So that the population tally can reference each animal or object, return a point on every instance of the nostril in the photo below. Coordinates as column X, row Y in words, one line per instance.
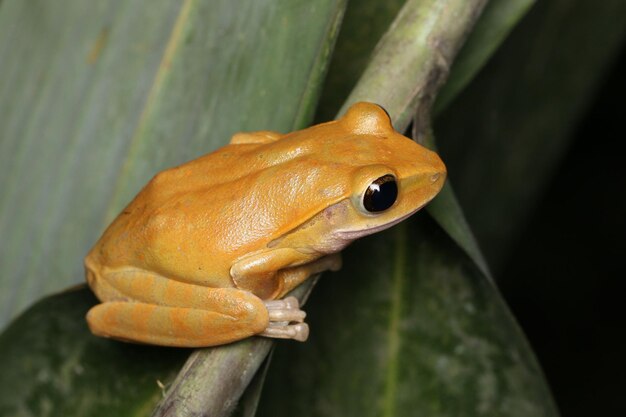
column 435, row 177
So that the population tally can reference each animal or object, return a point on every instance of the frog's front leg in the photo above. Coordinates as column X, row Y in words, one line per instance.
column 274, row 273
column 173, row 313
column 294, row 276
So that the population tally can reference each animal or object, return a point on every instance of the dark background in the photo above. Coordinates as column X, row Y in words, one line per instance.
column 534, row 147
column 563, row 277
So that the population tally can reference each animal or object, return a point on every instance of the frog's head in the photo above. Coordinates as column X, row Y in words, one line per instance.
column 353, row 177
column 387, row 176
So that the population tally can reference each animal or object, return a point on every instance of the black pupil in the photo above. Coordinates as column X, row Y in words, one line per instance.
column 381, row 194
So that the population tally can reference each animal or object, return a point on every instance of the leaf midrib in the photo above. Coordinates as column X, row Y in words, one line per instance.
column 395, row 314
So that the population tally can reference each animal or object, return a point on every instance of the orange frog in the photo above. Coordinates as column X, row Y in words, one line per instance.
column 204, row 253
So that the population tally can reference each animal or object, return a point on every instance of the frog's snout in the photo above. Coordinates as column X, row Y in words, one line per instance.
column 435, row 173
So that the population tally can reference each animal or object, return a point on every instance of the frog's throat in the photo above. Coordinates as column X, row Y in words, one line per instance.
column 323, row 225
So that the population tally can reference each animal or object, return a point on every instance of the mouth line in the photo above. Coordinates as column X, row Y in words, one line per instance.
column 355, row 234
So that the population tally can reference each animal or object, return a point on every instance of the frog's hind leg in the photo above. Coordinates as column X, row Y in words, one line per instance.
column 148, row 308
column 172, row 326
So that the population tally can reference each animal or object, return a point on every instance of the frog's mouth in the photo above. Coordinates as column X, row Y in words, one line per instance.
column 356, row 234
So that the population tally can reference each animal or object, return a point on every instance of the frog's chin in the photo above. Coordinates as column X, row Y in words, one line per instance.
column 350, row 235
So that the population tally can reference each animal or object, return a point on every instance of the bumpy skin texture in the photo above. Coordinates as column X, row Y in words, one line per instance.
column 191, row 260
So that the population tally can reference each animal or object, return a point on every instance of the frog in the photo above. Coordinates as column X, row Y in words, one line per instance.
column 208, row 251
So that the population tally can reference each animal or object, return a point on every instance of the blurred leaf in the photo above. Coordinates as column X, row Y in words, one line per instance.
column 117, row 111
column 53, row 366
column 92, row 104
column 505, row 135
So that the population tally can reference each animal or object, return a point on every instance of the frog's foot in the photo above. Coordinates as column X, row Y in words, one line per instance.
column 285, row 310
column 281, row 314
column 299, row 331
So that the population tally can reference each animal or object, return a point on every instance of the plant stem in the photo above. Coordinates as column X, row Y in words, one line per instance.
column 213, row 379
column 412, row 60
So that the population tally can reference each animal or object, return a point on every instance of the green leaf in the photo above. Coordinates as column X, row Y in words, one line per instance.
column 410, row 326
column 121, row 101
column 53, row 366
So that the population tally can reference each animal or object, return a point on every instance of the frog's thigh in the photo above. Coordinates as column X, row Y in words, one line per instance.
column 210, row 317
column 151, row 288
column 172, row 326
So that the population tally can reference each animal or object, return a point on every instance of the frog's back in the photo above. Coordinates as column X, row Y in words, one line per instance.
column 147, row 214
column 207, row 213
column 203, row 215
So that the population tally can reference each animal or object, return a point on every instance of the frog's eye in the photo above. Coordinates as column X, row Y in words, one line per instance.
column 380, row 194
